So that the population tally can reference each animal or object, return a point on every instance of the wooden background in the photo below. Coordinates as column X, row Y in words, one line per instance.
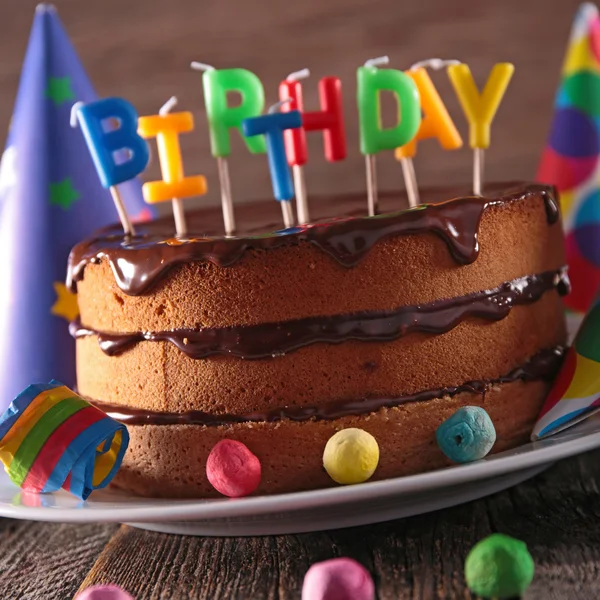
column 141, row 50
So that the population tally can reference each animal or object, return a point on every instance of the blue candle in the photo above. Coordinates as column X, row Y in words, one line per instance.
column 107, row 143
column 272, row 126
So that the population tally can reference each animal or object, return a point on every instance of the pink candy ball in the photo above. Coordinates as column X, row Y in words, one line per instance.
column 104, row 592
column 338, row 579
column 232, row 469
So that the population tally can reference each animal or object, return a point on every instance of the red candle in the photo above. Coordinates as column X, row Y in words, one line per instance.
column 329, row 120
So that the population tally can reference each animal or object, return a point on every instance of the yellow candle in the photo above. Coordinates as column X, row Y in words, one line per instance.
column 436, row 122
column 166, row 129
column 480, row 109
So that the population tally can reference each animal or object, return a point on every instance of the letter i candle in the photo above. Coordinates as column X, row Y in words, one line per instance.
column 329, row 119
column 166, row 128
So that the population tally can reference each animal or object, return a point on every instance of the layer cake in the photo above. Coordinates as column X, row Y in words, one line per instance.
column 279, row 338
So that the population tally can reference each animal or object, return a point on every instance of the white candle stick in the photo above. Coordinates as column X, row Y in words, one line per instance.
column 370, row 162
column 298, row 170
column 223, row 171
column 114, row 190
column 178, row 212
column 478, row 158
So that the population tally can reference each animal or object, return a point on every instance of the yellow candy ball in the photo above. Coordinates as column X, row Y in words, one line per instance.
column 351, row 456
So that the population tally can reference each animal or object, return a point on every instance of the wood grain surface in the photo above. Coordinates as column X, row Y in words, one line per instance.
column 141, row 50
column 556, row 514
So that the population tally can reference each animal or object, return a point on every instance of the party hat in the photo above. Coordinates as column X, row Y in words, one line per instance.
column 50, row 198
column 571, row 160
column 575, row 394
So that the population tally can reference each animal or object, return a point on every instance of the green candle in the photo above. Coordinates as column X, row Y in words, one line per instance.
column 221, row 117
column 373, row 137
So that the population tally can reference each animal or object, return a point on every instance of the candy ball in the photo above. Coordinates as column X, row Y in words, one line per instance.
column 232, row 469
column 499, row 567
column 351, row 456
column 467, row 435
column 104, row 592
column 338, row 579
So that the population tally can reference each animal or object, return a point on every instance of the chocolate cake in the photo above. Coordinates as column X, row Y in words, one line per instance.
column 279, row 338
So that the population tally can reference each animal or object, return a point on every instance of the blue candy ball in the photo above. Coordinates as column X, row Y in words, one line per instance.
column 467, row 435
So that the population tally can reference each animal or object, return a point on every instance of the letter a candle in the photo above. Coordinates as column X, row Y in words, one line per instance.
column 166, row 128
column 480, row 109
column 329, row 120
column 272, row 125
column 373, row 138
column 103, row 143
column 221, row 118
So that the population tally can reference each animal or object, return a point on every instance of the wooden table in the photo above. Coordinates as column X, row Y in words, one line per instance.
column 557, row 513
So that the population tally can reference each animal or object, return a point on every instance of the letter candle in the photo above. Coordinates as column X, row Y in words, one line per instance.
column 435, row 122
column 272, row 125
column 104, row 144
column 480, row 109
column 221, row 118
column 329, row 119
column 166, row 127
column 373, row 138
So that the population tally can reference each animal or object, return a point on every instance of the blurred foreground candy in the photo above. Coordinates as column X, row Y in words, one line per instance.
column 232, row 469
column 499, row 567
column 351, row 456
column 104, row 592
column 467, row 435
column 338, row 579
column 575, row 394
column 51, row 438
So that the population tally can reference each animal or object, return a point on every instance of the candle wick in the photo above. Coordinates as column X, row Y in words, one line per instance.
column 296, row 75
column 275, row 107
column 74, row 109
column 167, row 106
column 199, row 66
column 434, row 63
column 380, row 60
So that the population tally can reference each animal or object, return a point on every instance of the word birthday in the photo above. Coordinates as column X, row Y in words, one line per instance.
column 117, row 137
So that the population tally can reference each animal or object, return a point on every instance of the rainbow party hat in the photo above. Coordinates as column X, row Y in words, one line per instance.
column 575, row 394
column 571, row 160
column 50, row 199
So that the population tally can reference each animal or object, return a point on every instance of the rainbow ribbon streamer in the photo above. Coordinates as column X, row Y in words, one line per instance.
column 51, row 438
column 575, row 394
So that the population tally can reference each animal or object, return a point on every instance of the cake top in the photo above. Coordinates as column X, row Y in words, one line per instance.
column 139, row 261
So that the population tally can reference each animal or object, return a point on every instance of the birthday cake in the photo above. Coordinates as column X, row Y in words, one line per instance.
column 281, row 338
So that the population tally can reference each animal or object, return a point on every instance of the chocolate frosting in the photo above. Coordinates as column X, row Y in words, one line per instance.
column 138, row 262
column 542, row 366
column 268, row 340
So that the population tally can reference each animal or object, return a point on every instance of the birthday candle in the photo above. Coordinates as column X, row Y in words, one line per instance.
column 166, row 127
column 480, row 109
column 272, row 125
column 373, row 137
column 217, row 83
column 435, row 122
column 329, row 120
column 104, row 144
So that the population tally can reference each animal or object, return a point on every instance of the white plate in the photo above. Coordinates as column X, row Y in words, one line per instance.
column 308, row 511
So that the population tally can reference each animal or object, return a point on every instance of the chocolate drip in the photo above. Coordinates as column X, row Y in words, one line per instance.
column 275, row 339
column 138, row 262
column 543, row 366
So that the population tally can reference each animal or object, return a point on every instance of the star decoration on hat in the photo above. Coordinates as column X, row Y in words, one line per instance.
column 63, row 193
column 66, row 303
column 59, row 90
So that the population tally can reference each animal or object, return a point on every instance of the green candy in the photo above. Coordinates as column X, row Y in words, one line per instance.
column 499, row 567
